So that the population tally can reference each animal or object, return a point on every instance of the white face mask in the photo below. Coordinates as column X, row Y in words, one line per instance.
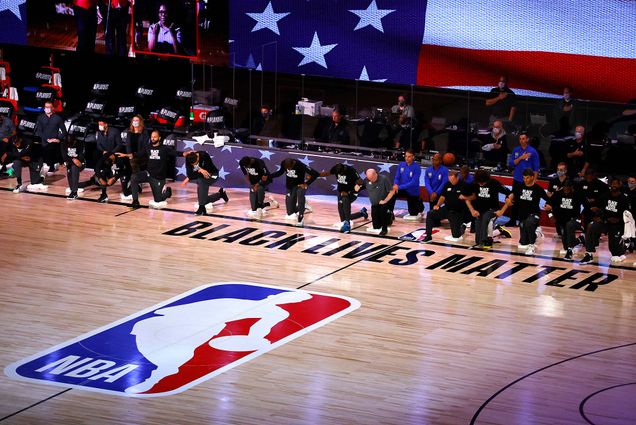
column 502, row 85
column 101, row 128
column 496, row 130
column 47, row 110
column 578, row 134
column 566, row 97
column 135, row 123
column 631, row 186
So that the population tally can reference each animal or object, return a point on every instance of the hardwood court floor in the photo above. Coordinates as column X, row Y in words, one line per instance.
column 432, row 343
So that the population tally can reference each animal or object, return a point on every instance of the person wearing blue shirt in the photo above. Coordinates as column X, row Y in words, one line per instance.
column 522, row 157
column 407, row 183
column 435, row 177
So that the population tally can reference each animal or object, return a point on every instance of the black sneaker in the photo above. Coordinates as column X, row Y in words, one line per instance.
column 488, row 243
column 223, row 194
column 135, row 205
column 383, row 232
column 505, row 233
column 201, row 211
column 364, row 213
column 168, row 192
column 587, row 258
column 103, row 198
column 568, row 255
column 581, row 240
column 72, row 196
column 427, row 239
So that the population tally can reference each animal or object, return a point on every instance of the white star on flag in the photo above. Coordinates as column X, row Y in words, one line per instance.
column 305, row 160
column 12, row 6
column 364, row 76
column 363, row 175
column 223, row 173
column 371, row 16
column 189, row 144
column 227, row 148
column 266, row 154
column 386, row 167
column 314, row 53
column 181, row 170
column 268, row 19
column 334, row 186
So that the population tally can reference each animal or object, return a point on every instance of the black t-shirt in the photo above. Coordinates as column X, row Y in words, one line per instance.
column 501, row 109
column 488, row 195
column 106, row 168
column 72, row 151
column 612, row 207
column 256, row 173
column 158, row 160
column 576, row 163
column 206, row 163
column 346, row 181
column 451, row 194
column 527, row 199
column 336, row 133
column 566, row 207
column 296, row 175
column 555, row 185
column 592, row 192
column 25, row 150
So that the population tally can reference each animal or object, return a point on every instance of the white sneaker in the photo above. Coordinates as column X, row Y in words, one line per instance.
column 370, row 229
column 338, row 225
column 293, row 216
column 251, row 214
column 273, row 203
column 209, row 207
column 539, row 232
column 531, row 250
column 44, row 170
column 308, row 208
column 37, row 187
column 79, row 190
column 563, row 251
column 617, row 258
column 410, row 217
column 259, row 213
column 157, row 205
column 520, row 247
column 19, row 189
column 450, row 238
column 125, row 198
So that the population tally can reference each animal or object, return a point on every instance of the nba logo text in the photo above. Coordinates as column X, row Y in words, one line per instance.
column 184, row 341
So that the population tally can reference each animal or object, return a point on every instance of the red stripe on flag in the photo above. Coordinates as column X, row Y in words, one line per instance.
column 593, row 77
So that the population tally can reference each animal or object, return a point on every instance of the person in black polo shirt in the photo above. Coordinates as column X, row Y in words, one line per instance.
column 298, row 177
column 50, row 128
column 484, row 206
column 592, row 190
column 157, row 155
column 73, row 155
column 201, row 169
column 576, row 155
column 501, row 101
column 564, row 209
column 527, row 197
column 556, row 183
column 337, row 131
column 609, row 221
column 347, row 178
column 451, row 205
column 258, row 177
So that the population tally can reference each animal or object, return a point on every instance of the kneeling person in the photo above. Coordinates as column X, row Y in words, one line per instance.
column 450, row 205
column 200, row 168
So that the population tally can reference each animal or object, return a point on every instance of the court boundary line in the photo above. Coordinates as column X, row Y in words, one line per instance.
column 35, row 404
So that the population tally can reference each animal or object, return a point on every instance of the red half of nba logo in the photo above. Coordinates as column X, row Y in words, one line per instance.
column 184, row 341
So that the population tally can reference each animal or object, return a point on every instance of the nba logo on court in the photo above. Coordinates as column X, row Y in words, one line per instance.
column 186, row 340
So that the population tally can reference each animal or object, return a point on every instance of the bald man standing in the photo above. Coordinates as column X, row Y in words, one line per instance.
column 380, row 190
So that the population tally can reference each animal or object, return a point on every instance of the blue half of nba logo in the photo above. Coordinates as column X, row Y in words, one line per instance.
column 184, row 341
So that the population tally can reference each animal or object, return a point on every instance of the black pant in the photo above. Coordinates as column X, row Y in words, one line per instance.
column 86, row 21
column 514, row 210
column 51, row 154
column 380, row 216
column 115, row 34
column 72, row 174
column 295, row 200
column 257, row 198
column 568, row 232
column 455, row 218
column 344, row 206
column 528, row 230
column 34, row 171
column 156, row 185
column 413, row 202
column 203, row 185
column 614, row 237
column 484, row 226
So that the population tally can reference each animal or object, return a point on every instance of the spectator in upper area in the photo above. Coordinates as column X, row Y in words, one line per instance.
column 337, row 131
column 502, row 101
column 565, row 111
column 496, row 148
column 435, row 177
column 403, row 108
column 265, row 124
column 576, row 154
column 164, row 36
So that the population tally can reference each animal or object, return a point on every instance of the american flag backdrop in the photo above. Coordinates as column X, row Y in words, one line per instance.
column 13, row 21
column 542, row 45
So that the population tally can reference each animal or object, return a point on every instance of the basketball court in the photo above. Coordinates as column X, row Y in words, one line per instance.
column 442, row 334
